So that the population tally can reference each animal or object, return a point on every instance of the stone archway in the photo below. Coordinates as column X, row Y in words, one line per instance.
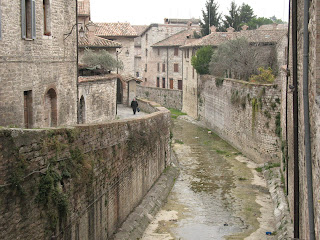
column 51, row 108
column 82, row 110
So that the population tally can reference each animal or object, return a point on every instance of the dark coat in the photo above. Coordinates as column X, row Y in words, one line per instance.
column 134, row 104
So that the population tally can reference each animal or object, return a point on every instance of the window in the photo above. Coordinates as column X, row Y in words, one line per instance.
column 180, row 84
column 146, row 52
column 187, row 53
column 193, row 52
column 163, row 83
column 192, row 72
column 146, row 68
column 176, row 51
column 158, row 82
column 146, row 80
column 51, row 108
column 147, row 37
column 46, row 18
column 171, row 83
column 163, row 67
column 28, row 19
column 158, row 51
column 176, row 67
column 158, row 67
column 137, row 74
column 27, row 109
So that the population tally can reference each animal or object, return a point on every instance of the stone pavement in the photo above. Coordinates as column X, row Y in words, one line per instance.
column 124, row 112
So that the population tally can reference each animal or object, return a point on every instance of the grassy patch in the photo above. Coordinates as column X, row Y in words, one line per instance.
column 179, row 141
column 175, row 113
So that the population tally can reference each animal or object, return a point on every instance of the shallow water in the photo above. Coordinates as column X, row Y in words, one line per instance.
column 213, row 198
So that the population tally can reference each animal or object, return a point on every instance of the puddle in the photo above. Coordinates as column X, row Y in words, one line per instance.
column 218, row 194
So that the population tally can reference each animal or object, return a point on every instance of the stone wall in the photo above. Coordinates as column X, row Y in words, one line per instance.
column 314, row 113
column 243, row 114
column 166, row 97
column 81, row 182
column 34, row 66
column 97, row 98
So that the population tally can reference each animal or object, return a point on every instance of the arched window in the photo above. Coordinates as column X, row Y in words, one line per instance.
column 51, row 108
column 46, row 18
column 82, row 110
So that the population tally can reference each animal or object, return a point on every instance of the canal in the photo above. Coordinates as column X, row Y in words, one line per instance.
column 218, row 195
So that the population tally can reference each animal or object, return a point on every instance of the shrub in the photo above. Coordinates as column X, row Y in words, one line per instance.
column 265, row 76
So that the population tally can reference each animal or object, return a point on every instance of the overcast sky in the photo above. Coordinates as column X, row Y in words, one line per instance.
column 144, row 12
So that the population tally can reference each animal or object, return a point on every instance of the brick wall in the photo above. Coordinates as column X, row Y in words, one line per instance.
column 101, row 172
column 166, row 97
column 243, row 114
column 38, row 65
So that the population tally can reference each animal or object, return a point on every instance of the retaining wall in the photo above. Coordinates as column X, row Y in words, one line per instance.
column 80, row 182
column 168, row 98
column 244, row 114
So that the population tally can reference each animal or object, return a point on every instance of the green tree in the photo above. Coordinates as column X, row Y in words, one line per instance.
column 101, row 60
column 277, row 20
column 210, row 17
column 255, row 22
column 201, row 60
column 233, row 19
column 246, row 14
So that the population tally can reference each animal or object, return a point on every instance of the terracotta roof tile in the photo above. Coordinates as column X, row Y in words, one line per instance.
column 253, row 36
column 115, row 30
column 140, row 28
column 97, row 42
column 178, row 39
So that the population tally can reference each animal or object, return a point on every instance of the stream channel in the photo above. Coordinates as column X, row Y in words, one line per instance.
column 218, row 195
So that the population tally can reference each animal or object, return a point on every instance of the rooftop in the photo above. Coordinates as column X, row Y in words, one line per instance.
column 115, row 30
column 178, row 39
column 97, row 42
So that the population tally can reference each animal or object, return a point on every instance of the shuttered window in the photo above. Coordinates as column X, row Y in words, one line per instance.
column 28, row 19
column 176, row 67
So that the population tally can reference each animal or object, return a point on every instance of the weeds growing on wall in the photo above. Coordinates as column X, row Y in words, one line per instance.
column 175, row 113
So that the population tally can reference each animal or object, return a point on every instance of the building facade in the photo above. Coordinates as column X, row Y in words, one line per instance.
column 150, row 56
column 38, row 63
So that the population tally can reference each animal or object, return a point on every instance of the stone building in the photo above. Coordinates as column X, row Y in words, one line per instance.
column 150, row 36
column 166, row 64
column 124, row 34
column 303, row 148
column 266, row 40
column 38, row 63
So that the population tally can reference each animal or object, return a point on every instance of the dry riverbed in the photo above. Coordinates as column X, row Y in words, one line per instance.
column 218, row 195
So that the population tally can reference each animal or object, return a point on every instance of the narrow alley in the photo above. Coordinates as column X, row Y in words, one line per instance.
column 218, row 195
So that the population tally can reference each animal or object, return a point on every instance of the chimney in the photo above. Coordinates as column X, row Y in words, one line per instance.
column 230, row 29
column 189, row 24
column 91, row 28
column 274, row 26
column 166, row 21
column 244, row 27
column 213, row 29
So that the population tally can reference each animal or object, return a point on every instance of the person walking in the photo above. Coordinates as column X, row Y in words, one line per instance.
column 134, row 105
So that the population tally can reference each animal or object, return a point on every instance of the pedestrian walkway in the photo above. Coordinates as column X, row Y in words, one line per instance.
column 124, row 112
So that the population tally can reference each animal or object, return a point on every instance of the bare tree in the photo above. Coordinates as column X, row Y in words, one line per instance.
column 238, row 59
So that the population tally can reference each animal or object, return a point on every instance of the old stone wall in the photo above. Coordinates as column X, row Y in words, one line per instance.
column 244, row 114
column 80, row 182
column 34, row 66
column 314, row 114
column 97, row 98
column 166, row 97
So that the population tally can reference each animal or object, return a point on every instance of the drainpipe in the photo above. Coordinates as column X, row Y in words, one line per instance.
column 77, row 80
column 307, row 118
column 295, row 119
column 287, row 82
